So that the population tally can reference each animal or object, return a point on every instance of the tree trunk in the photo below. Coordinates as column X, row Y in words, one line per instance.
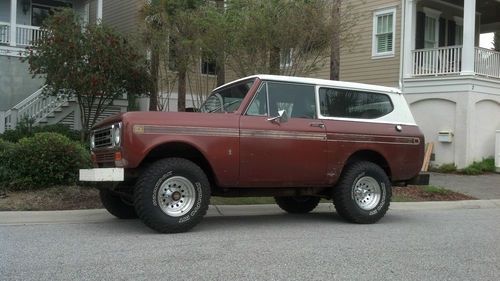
column 155, row 65
column 220, row 70
column 181, row 90
column 335, row 47
column 274, row 60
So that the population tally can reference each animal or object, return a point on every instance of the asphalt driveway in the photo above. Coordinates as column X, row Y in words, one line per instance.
column 482, row 187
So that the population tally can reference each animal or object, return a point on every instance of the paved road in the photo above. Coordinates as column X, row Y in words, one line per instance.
column 482, row 187
column 428, row 241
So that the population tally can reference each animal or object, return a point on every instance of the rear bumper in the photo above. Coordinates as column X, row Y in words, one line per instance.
column 421, row 179
column 102, row 174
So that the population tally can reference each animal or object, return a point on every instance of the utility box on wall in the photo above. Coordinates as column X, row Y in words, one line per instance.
column 445, row 136
column 497, row 151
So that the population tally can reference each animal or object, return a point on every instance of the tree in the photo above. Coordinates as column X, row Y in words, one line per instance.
column 282, row 36
column 496, row 41
column 91, row 63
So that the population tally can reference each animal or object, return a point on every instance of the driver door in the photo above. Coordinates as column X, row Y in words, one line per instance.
column 287, row 151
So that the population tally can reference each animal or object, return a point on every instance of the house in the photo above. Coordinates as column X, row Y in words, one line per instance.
column 20, row 93
column 430, row 49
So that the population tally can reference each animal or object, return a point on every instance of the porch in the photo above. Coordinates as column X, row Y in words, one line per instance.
column 451, row 83
column 441, row 38
column 20, row 20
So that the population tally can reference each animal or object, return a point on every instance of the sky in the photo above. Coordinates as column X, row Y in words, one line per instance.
column 486, row 40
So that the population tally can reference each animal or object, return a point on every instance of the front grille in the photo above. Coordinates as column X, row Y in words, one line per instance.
column 103, row 137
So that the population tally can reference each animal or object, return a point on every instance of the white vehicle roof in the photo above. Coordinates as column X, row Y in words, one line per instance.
column 319, row 82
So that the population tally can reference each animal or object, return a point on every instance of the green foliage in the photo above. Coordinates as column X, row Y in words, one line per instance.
column 445, row 168
column 44, row 160
column 6, row 149
column 92, row 63
column 436, row 190
column 487, row 165
column 26, row 129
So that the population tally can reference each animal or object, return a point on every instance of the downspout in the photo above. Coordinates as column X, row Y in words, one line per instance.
column 401, row 50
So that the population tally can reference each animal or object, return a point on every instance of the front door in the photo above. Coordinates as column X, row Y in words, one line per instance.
column 289, row 151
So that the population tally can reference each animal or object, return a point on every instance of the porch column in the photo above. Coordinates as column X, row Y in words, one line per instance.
column 99, row 11
column 13, row 21
column 469, row 31
column 409, row 29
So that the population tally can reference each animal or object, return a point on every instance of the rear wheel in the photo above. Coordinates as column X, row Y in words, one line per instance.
column 297, row 204
column 363, row 193
column 172, row 195
column 116, row 205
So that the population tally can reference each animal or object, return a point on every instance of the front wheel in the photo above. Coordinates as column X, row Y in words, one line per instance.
column 363, row 193
column 116, row 205
column 172, row 195
column 297, row 204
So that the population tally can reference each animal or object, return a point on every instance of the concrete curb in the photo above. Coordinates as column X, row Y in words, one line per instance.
column 101, row 215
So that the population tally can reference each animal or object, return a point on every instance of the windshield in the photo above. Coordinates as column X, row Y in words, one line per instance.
column 227, row 99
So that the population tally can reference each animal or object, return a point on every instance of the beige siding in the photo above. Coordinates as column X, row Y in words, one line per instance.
column 124, row 16
column 356, row 63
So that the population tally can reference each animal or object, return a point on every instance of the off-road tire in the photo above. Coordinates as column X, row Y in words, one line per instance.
column 116, row 206
column 344, row 193
column 148, row 195
column 297, row 204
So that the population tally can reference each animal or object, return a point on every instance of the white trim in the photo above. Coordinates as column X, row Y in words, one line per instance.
column 431, row 12
column 99, row 11
column 13, row 23
column 376, row 14
column 102, row 174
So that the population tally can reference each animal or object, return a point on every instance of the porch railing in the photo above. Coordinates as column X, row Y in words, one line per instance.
column 4, row 33
column 25, row 34
column 487, row 62
column 437, row 61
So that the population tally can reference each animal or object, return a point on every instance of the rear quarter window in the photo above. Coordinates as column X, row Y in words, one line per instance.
column 348, row 103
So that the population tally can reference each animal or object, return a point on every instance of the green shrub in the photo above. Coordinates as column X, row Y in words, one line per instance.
column 25, row 129
column 445, row 168
column 487, row 165
column 46, row 159
column 6, row 149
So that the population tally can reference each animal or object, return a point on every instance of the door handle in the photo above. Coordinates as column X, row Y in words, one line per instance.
column 317, row 125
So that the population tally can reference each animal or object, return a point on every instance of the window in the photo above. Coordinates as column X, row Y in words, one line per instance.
column 286, row 58
column 207, row 64
column 296, row 99
column 431, row 29
column 39, row 14
column 353, row 104
column 459, row 31
column 227, row 99
column 384, row 22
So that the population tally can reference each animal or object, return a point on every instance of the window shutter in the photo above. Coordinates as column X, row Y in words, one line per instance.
column 442, row 32
column 451, row 33
column 420, row 36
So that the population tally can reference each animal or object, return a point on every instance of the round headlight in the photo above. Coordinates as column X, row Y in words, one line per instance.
column 116, row 135
column 92, row 141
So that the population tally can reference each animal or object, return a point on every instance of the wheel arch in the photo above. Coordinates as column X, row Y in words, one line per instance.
column 184, row 150
column 370, row 156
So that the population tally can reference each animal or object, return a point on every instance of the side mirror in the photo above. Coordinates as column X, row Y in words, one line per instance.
column 281, row 118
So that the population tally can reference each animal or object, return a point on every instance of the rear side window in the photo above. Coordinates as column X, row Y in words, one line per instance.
column 353, row 104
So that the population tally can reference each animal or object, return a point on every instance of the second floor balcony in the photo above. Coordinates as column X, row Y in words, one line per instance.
column 20, row 20
column 448, row 61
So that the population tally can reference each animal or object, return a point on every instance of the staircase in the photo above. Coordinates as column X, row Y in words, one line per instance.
column 48, row 110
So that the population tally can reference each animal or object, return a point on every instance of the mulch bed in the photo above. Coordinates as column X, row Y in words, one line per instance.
column 417, row 193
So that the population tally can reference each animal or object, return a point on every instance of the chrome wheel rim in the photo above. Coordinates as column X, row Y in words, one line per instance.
column 367, row 193
column 176, row 196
